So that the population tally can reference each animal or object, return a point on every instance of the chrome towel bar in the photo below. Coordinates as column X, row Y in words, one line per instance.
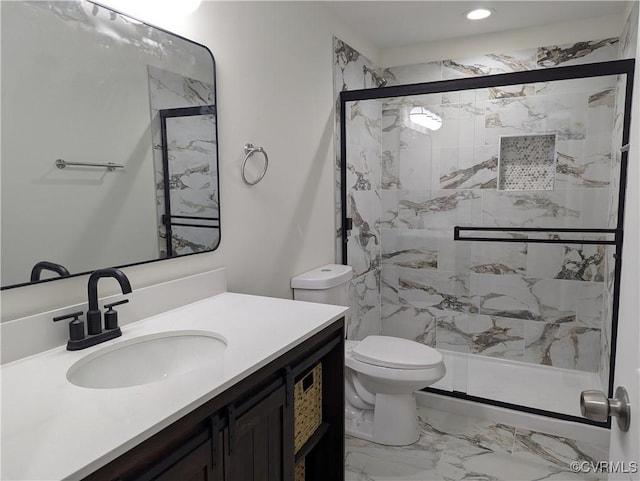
column 61, row 164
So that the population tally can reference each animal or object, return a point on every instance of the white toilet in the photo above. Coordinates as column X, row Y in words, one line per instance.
column 381, row 372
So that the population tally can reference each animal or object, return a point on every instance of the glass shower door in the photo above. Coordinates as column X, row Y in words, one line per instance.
column 542, row 238
column 495, row 221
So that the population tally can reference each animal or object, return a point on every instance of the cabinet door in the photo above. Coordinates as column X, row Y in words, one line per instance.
column 199, row 459
column 195, row 466
column 260, row 447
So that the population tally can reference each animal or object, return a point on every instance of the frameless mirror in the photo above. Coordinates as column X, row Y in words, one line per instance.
column 109, row 142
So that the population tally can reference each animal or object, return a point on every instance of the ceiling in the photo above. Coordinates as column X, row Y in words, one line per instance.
column 392, row 23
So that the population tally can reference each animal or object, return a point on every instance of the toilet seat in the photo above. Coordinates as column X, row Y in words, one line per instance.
column 431, row 374
column 395, row 353
column 430, row 361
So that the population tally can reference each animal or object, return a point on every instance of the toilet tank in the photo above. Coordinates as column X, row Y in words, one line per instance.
column 327, row 285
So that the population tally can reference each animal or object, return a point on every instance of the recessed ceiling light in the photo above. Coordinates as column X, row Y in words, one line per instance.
column 478, row 13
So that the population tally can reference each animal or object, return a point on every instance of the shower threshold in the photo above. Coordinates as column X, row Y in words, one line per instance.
column 534, row 386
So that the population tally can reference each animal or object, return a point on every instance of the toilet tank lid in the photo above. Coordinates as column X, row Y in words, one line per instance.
column 324, row 277
column 395, row 352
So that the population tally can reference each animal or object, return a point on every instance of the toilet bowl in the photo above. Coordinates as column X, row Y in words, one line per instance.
column 381, row 375
column 381, row 372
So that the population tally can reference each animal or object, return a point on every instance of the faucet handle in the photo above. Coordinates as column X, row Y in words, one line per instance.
column 76, row 326
column 111, row 316
column 109, row 306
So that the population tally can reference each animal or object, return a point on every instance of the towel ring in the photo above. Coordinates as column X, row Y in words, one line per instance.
column 249, row 150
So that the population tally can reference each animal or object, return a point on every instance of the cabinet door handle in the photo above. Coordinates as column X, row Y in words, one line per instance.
column 289, row 387
column 232, row 427
column 215, row 431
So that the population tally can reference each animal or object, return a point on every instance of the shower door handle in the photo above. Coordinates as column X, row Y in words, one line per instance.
column 596, row 406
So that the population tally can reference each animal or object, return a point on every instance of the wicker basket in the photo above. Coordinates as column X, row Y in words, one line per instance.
column 307, row 405
column 299, row 472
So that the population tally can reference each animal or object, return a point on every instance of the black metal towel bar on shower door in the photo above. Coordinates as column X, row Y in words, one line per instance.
column 616, row 233
column 167, row 217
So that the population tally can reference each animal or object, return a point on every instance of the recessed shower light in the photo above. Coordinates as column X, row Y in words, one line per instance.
column 478, row 13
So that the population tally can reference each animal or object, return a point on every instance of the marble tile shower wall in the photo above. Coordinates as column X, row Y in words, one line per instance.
column 538, row 303
column 354, row 71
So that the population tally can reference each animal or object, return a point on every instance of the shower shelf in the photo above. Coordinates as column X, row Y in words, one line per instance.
column 613, row 234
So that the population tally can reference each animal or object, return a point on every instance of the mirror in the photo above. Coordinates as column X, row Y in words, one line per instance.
column 109, row 142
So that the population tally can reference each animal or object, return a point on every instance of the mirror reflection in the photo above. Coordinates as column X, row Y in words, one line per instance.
column 109, row 142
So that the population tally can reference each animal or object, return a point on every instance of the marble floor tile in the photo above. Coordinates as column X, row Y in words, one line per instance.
column 453, row 447
column 364, row 467
column 556, row 450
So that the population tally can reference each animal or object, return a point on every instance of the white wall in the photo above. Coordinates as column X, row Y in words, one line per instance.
column 274, row 79
column 509, row 41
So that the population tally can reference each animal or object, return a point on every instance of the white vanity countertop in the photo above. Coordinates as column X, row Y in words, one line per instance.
column 54, row 430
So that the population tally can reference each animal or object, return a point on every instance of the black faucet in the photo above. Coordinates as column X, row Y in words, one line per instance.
column 48, row 266
column 95, row 334
column 94, row 317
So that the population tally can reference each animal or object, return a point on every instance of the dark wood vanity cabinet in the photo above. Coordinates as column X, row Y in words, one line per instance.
column 247, row 432
column 257, row 447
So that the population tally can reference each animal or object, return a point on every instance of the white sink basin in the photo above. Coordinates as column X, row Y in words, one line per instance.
column 148, row 359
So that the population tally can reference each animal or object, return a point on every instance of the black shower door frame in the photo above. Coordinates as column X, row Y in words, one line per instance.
column 600, row 69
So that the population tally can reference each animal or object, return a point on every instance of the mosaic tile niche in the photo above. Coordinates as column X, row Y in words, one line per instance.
column 527, row 162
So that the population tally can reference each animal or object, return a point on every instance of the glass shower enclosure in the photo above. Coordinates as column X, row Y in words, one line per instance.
column 483, row 217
